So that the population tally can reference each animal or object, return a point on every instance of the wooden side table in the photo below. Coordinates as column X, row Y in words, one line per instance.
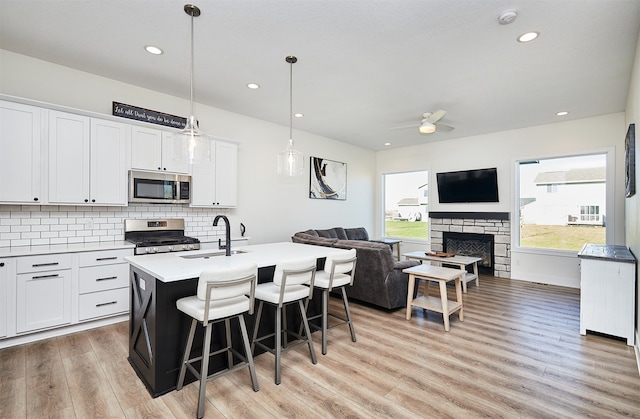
column 461, row 261
column 443, row 304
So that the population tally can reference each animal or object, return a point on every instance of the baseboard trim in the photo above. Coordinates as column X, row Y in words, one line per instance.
column 60, row 331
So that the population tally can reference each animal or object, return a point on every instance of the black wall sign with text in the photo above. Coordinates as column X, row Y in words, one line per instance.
column 147, row 115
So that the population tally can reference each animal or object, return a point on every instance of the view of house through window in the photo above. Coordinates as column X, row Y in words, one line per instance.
column 406, row 205
column 563, row 202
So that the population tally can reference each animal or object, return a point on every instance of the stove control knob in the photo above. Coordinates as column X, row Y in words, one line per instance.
column 147, row 250
column 191, row 247
column 170, row 248
column 154, row 250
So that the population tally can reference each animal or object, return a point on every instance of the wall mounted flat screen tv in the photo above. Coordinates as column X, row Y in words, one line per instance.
column 479, row 185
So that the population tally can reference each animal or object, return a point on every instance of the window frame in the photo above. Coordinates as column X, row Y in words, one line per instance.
column 610, row 154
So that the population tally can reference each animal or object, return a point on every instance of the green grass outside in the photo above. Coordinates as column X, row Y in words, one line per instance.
column 539, row 236
column 560, row 237
column 407, row 229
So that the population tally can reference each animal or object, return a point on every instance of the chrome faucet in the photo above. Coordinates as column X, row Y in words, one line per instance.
column 227, row 246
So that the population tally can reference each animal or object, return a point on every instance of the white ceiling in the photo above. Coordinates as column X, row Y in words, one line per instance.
column 364, row 66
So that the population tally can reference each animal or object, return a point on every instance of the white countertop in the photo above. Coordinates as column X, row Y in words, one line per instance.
column 169, row 267
column 63, row 248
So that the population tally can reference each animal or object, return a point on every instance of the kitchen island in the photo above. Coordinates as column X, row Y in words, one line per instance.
column 158, row 330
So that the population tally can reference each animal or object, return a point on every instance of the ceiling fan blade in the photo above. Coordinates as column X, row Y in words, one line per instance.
column 444, row 128
column 436, row 116
column 405, row 126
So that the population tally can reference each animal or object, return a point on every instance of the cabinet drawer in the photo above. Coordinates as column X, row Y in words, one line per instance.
column 103, row 303
column 104, row 257
column 43, row 263
column 101, row 278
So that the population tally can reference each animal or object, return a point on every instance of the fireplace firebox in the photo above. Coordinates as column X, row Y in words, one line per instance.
column 471, row 244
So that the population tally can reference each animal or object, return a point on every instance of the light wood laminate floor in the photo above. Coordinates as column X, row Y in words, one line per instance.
column 518, row 354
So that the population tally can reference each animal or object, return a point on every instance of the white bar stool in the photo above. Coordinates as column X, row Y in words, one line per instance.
column 339, row 271
column 222, row 294
column 292, row 282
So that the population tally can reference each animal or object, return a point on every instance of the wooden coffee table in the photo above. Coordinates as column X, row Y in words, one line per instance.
column 461, row 261
column 441, row 305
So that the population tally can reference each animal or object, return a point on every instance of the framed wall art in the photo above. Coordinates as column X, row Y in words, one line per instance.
column 327, row 179
column 630, row 161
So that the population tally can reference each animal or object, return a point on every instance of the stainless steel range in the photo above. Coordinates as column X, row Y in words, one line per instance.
column 159, row 236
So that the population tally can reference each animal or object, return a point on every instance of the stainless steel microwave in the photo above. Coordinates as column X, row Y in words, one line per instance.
column 159, row 188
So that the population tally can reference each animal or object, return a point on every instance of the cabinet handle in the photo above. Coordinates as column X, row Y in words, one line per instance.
column 45, row 264
column 93, row 200
column 86, row 200
column 1, row 264
column 109, row 258
column 106, row 279
column 35, row 199
column 106, row 304
column 45, row 276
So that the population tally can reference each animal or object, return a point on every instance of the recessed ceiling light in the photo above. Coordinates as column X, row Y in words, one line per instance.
column 253, row 85
column 528, row 37
column 298, row 115
column 153, row 50
column 562, row 113
column 387, row 143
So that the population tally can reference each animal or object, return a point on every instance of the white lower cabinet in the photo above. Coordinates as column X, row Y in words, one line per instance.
column 43, row 292
column 103, row 284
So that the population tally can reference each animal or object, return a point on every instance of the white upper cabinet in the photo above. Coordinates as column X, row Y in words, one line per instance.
column 87, row 160
column 153, row 149
column 108, row 177
column 21, row 154
column 69, row 148
column 215, row 183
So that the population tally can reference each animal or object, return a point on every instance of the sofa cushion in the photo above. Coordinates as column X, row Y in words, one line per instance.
column 329, row 233
column 310, row 239
column 342, row 235
column 310, row 232
column 359, row 233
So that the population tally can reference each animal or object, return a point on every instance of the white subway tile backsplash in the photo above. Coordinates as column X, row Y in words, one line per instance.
column 31, row 225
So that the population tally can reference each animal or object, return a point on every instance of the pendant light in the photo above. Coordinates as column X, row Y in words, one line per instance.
column 194, row 140
column 290, row 161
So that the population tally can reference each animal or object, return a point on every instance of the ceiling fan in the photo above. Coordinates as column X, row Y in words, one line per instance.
column 429, row 123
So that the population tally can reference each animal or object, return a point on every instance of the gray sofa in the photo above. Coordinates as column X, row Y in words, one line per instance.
column 379, row 279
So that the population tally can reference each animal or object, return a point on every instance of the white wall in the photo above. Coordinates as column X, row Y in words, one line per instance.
column 632, row 204
column 501, row 150
column 271, row 209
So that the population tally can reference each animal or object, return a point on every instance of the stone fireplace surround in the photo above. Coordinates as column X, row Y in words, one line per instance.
column 494, row 223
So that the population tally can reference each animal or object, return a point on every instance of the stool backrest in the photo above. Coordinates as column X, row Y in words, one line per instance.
column 225, row 283
column 340, row 263
column 295, row 272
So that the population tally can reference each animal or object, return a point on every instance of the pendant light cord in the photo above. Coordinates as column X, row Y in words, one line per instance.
column 191, row 74
column 291, row 99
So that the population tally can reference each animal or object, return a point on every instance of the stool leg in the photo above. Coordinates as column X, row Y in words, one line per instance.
column 204, row 370
column 284, row 327
column 227, row 332
column 256, row 327
column 325, row 319
column 187, row 351
column 305, row 322
column 278, row 343
column 247, row 352
column 348, row 312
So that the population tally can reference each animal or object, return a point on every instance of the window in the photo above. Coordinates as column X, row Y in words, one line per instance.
column 406, row 205
column 562, row 202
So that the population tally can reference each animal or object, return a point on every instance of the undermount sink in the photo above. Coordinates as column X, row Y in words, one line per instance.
column 211, row 254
